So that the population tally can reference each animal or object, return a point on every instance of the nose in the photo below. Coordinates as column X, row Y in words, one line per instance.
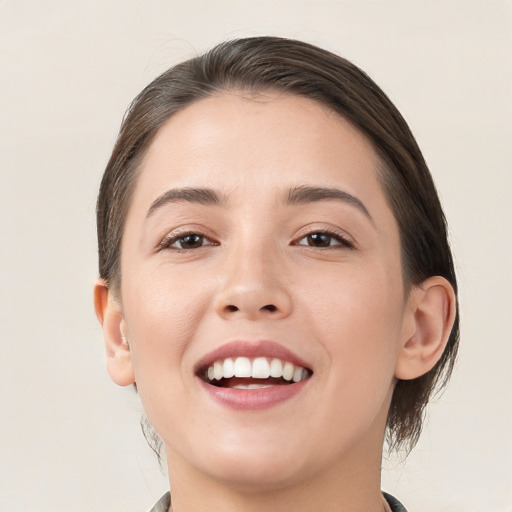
column 255, row 286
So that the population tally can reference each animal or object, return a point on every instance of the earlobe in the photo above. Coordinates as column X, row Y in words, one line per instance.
column 110, row 315
column 431, row 312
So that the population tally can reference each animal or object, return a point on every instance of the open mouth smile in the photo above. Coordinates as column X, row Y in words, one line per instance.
column 252, row 375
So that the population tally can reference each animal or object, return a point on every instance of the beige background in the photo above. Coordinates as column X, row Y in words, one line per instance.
column 69, row 438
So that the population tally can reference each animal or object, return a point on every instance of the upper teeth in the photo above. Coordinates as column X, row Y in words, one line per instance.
column 258, row 368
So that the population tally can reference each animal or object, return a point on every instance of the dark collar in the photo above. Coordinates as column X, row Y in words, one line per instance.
column 395, row 505
column 165, row 502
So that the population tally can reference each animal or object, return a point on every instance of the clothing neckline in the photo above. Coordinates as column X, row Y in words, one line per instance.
column 164, row 503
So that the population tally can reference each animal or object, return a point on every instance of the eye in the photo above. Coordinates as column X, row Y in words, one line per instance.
column 186, row 241
column 323, row 239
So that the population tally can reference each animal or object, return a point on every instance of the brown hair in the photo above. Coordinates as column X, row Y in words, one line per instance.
column 262, row 63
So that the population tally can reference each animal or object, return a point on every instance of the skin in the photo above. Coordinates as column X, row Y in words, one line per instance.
column 341, row 308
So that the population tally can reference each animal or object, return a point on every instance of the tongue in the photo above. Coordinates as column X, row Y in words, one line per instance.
column 239, row 381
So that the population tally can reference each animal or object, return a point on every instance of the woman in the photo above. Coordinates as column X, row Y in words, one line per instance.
column 275, row 278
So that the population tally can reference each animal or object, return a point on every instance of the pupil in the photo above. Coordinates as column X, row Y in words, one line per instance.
column 319, row 240
column 192, row 240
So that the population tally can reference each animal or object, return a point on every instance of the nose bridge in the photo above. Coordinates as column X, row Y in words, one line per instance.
column 253, row 281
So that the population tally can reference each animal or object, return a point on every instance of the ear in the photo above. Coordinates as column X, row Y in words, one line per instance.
column 429, row 317
column 111, row 318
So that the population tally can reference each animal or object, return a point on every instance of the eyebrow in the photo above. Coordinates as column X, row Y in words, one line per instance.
column 309, row 194
column 205, row 196
column 296, row 196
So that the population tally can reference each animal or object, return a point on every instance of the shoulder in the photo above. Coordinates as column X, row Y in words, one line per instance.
column 394, row 504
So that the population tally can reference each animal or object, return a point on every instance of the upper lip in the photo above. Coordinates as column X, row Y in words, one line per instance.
column 241, row 348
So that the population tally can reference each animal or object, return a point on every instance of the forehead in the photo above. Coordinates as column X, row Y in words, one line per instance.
column 234, row 140
column 252, row 152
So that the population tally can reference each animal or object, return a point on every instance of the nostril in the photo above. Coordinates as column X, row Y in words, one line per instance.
column 269, row 307
column 232, row 308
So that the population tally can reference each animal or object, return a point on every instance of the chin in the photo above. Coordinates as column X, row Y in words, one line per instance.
column 251, row 464
column 258, row 473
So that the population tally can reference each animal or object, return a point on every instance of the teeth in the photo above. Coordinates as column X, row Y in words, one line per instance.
column 258, row 368
column 242, row 367
column 252, row 386
column 228, row 368
column 218, row 370
column 276, row 368
column 288, row 371
column 297, row 374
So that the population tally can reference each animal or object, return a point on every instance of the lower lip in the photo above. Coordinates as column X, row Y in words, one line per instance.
column 253, row 399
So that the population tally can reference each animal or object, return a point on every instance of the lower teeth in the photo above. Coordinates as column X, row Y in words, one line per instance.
column 251, row 386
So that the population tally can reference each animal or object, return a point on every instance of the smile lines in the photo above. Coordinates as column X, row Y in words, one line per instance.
column 256, row 368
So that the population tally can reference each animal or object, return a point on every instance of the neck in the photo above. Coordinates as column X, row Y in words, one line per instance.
column 351, row 484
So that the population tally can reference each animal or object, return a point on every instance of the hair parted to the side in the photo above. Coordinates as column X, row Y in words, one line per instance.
column 258, row 64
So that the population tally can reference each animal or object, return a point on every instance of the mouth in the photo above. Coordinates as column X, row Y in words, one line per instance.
column 253, row 373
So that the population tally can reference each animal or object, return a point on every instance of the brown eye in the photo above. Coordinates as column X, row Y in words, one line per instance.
column 322, row 240
column 319, row 240
column 191, row 241
column 187, row 241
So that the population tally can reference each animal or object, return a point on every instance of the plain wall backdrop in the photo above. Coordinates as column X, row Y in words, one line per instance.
column 69, row 438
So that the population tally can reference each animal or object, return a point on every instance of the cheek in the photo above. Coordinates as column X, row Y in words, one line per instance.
column 162, row 311
column 357, row 318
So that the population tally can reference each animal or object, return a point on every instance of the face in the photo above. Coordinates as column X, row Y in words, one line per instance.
column 262, row 294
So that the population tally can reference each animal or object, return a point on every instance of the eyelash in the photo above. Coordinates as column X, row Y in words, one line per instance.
column 344, row 242
column 172, row 239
